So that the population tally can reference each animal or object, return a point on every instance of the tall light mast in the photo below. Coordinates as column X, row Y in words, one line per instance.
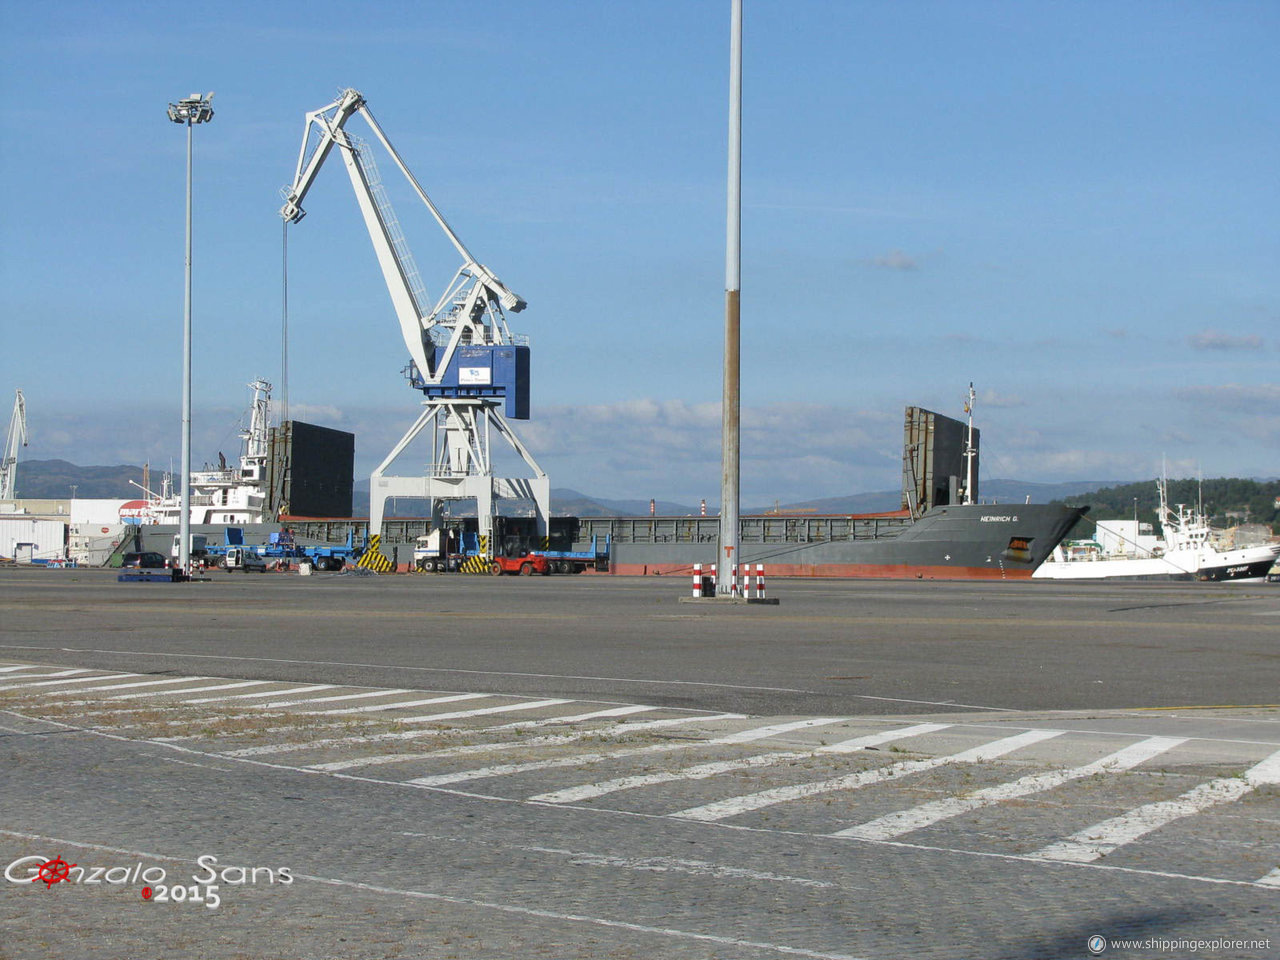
column 190, row 111
column 16, row 437
column 730, row 429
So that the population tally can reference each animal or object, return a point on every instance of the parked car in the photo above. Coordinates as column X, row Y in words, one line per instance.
column 145, row 561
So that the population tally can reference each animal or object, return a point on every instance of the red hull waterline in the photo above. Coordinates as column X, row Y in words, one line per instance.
column 853, row 571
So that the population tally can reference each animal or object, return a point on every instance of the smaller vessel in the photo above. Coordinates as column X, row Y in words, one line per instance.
column 227, row 496
column 1187, row 554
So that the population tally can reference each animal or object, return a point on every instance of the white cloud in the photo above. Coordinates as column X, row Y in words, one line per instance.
column 1217, row 340
column 670, row 448
column 1233, row 396
column 313, row 413
column 896, row 260
column 990, row 398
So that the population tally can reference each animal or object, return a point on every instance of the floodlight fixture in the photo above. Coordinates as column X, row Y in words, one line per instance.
column 192, row 109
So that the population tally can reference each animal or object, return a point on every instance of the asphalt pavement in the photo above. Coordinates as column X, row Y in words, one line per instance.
column 451, row 766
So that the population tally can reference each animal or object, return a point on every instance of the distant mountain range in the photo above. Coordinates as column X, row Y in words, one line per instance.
column 572, row 503
column 54, row 479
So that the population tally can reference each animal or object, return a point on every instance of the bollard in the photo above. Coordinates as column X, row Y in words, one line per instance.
column 697, row 581
column 759, row 581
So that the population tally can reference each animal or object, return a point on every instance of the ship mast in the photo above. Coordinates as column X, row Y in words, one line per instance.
column 968, row 450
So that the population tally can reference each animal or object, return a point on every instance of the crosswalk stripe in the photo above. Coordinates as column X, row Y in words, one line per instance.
column 733, row 806
column 496, row 746
column 1093, row 843
column 263, row 693
column 906, row 821
column 344, row 696
column 622, row 728
column 126, row 686
column 705, row 770
column 67, row 673
column 374, row 708
column 483, row 711
column 502, row 770
column 183, row 693
column 383, row 758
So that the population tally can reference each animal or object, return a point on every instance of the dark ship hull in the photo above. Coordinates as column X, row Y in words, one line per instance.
column 969, row 542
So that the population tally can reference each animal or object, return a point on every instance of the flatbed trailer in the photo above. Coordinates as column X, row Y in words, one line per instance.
column 281, row 548
column 577, row 561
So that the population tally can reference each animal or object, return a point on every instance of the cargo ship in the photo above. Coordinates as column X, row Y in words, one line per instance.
column 941, row 532
column 954, row 541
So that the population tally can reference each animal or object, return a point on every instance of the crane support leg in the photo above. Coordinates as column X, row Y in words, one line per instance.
column 466, row 472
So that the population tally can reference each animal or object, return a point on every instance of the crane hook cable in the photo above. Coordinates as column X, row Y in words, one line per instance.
column 284, row 325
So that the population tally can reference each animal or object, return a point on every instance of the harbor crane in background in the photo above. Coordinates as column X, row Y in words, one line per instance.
column 473, row 372
column 16, row 437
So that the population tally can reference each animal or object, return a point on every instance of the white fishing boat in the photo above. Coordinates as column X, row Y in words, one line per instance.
column 226, row 496
column 1186, row 553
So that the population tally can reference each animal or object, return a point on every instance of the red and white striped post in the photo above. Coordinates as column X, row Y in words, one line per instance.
column 759, row 581
column 734, row 591
column 697, row 581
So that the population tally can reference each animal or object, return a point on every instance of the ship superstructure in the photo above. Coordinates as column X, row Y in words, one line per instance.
column 231, row 496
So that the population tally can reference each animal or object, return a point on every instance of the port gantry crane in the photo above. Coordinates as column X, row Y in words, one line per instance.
column 463, row 356
column 16, row 437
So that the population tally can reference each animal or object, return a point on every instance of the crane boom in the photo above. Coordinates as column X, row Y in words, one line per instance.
column 16, row 437
column 470, row 310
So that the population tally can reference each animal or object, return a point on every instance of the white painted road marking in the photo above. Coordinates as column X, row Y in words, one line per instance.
column 454, row 698
column 743, row 736
column 345, row 696
column 183, row 693
column 1272, row 879
column 264, row 693
column 705, row 770
column 905, row 821
column 623, row 728
column 723, row 809
column 482, row 711
column 1095, row 842
column 66, row 673
column 126, row 686
column 553, row 740
column 657, row 681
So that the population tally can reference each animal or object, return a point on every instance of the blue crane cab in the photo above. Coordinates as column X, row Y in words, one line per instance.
column 486, row 372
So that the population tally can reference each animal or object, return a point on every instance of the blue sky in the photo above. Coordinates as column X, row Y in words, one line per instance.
column 1074, row 205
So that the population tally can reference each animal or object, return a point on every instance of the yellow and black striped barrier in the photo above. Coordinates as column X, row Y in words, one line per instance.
column 480, row 562
column 372, row 558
